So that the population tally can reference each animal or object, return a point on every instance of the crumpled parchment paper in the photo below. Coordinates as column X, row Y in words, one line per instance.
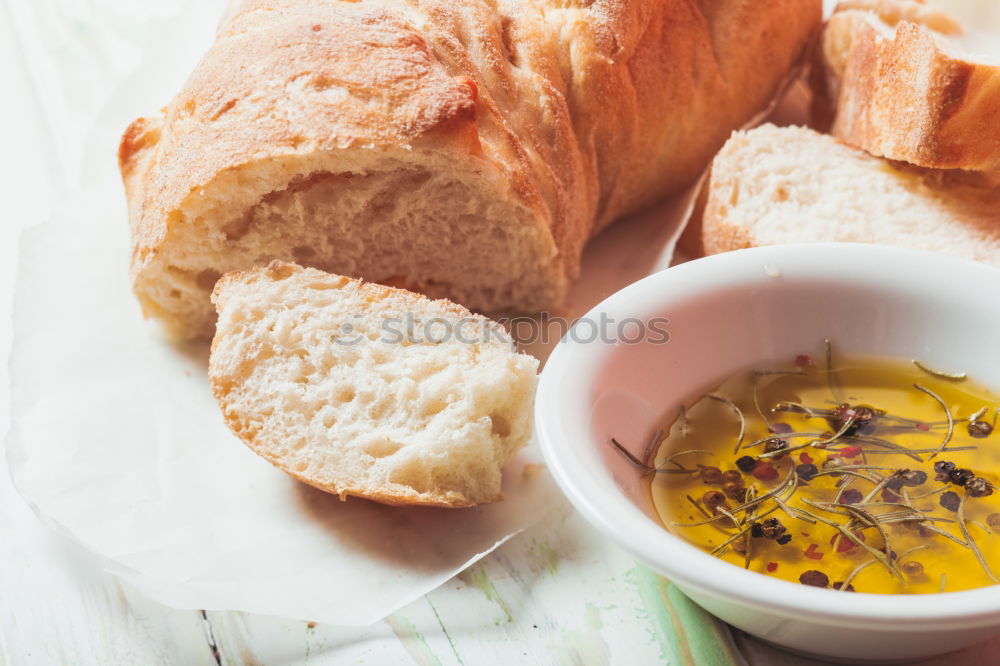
column 117, row 441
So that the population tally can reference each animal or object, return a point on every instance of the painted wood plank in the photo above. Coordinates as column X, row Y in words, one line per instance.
column 556, row 594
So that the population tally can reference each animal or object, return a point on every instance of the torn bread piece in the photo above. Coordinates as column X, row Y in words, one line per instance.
column 909, row 86
column 773, row 185
column 366, row 390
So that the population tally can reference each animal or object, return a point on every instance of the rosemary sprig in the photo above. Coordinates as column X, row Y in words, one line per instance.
column 854, row 467
column 847, row 472
column 953, row 376
column 858, row 569
column 790, row 449
column 718, row 550
column 972, row 542
column 722, row 546
column 799, row 408
column 682, row 418
column 698, row 506
column 909, row 452
column 781, row 501
column 951, row 421
column 791, row 435
column 906, row 553
column 846, row 483
column 947, row 535
column 859, row 515
column 878, row 487
column 647, row 455
column 749, row 519
column 629, row 457
column 834, row 389
column 818, row 444
column 929, row 493
column 699, row 523
column 757, row 374
column 756, row 401
column 942, row 422
column 739, row 413
column 888, row 519
column 826, row 506
column 791, row 511
column 728, row 514
column 683, row 470
column 723, row 514
column 897, row 504
column 790, row 480
column 705, row 513
column 907, row 502
column 837, row 435
column 647, row 469
column 878, row 555
column 886, row 444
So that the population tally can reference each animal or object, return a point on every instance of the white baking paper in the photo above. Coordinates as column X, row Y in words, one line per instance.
column 117, row 441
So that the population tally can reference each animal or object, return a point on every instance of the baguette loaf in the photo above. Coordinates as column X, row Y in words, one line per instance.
column 774, row 185
column 463, row 148
column 350, row 388
column 904, row 89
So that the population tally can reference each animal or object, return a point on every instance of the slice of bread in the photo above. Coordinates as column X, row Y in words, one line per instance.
column 774, row 185
column 908, row 87
column 366, row 390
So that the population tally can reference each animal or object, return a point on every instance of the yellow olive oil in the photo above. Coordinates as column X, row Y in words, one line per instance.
column 861, row 448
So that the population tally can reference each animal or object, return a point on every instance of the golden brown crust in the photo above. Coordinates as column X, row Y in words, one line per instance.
column 139, row 136
column 694, row 72
column 905, row 97
column 587, row 110
column 439, row 500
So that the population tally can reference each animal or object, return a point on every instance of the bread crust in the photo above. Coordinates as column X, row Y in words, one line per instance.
column 579, row 112
column 904, row 96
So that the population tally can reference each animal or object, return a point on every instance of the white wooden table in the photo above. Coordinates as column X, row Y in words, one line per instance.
column 557, row 593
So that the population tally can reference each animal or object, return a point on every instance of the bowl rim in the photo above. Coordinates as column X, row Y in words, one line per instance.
column 566, row 381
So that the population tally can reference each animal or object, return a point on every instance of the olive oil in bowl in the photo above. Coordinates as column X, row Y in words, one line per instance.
column 863, row 474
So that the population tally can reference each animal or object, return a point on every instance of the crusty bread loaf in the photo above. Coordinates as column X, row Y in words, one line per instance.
column 463, row 148
column 774, row 185
column 906, row 89
column 365, row 390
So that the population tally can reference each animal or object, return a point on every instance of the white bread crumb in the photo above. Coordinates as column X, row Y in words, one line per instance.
column 316, row 373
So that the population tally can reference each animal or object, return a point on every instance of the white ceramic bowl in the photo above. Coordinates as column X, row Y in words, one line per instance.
column 747, row 308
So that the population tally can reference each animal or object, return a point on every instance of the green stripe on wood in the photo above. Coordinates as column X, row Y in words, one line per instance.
column 687, row 634
column 412, row 641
